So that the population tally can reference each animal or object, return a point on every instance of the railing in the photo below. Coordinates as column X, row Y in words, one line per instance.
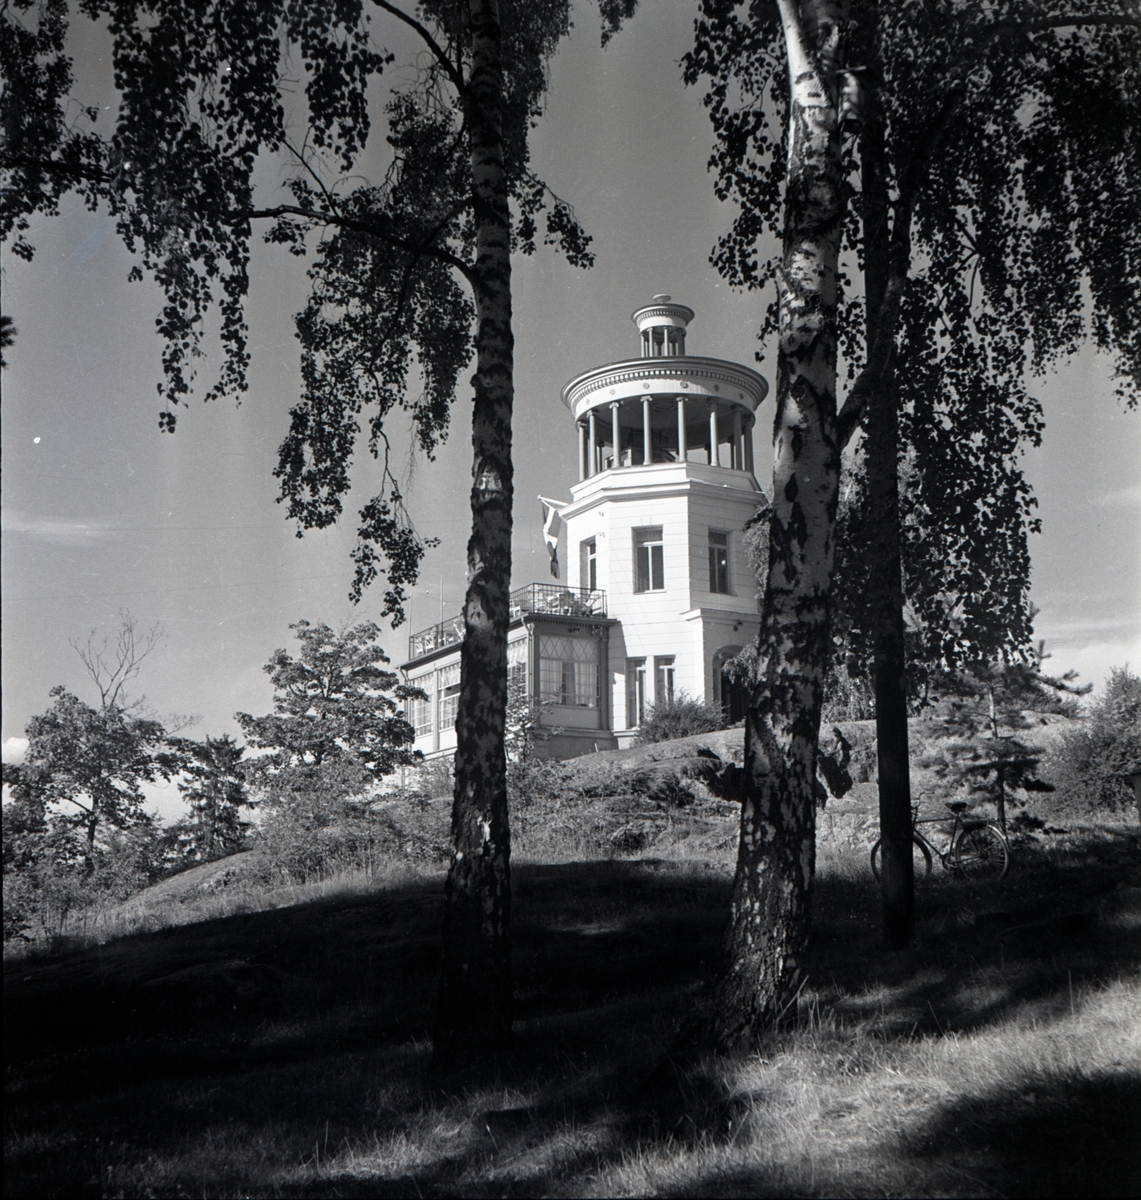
column 559, row 600
column 550, row 598
column 446, row 633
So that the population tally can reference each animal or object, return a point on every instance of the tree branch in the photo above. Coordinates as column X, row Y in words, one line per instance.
column 51, row 166
column 330, row 199
column 437, row 51
column 1063, row 22
column 111, row 671
column 369, row 227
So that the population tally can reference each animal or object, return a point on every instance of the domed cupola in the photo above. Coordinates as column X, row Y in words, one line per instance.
column 662, row 326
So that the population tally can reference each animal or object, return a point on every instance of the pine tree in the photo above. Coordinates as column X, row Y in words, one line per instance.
column 213, row 785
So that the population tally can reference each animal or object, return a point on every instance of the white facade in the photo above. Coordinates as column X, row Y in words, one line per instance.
column 658, row 590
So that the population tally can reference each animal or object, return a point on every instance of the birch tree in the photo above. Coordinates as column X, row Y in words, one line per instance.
column 960, row 208
column 413, row 251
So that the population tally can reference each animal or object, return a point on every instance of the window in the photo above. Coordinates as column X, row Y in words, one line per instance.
column 635, row 692
column 448, row 694
column 421, row 710
column 664, row 679
column 517, row 668
column 718, row 562
column 649, row 570
column 589, row 565
column 568, row 671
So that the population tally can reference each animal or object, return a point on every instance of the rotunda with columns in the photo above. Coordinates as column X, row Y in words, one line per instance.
column 666, row 406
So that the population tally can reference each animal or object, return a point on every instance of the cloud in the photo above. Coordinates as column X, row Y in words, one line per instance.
column 1086, row 628
column 14, row 749
column 1126, row 497
column 56, row 530
column 1092, row 658
column 89, row 247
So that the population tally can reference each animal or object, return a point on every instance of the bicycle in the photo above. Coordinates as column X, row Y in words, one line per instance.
column 976, row 848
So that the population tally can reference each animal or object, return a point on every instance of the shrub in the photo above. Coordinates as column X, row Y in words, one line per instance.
column 1088, row 768
column 54, row 882
column 680, row 717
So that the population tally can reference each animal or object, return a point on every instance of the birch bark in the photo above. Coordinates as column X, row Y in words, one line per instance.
column 769, row 922
column 473, row 1009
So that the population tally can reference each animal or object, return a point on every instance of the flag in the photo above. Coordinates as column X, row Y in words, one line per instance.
column 552, row 527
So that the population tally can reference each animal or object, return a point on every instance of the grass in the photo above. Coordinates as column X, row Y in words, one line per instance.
column 284, row 1052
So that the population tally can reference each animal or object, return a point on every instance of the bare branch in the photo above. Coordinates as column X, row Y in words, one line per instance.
column 330, row 199
column 112, row 668
column 437, row 51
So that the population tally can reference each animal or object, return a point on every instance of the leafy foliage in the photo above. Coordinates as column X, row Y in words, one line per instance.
column 1011, row 232
column 92, row 763
column 531, row 776
column 1090, row 767
column 310, row 831
column 334, row 703
column 53, row 879
column 213, row 785
column 677, row 718
column 337, row 728
column 47, row 149
column 209, row 90
column 988, row 749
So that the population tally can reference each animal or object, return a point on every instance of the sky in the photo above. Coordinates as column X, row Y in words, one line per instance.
column 103, row 513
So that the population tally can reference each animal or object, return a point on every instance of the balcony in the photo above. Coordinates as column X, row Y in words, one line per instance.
column 558, row 600
column 446, row 633
column 550, row 598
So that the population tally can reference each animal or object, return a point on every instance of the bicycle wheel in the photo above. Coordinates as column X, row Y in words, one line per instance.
column 980, row 853
column 920, row 859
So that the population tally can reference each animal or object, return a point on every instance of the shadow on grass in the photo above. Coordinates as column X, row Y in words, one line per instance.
column 270, row 1035
column 285, row 1052
column 982, row 950
column 1051, row 1136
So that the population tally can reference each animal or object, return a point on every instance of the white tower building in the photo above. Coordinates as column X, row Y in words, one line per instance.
column 665, row 487
column 659, row 593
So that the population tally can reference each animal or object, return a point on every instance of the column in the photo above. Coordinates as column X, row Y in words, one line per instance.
column 681, row 446
column 713, row 433
column 581, row 451
column 605, row 686
column 592, row 441
column 614, row 426
column 749, row 464
column 647, row 441
column 738, row 459
column 535, row 683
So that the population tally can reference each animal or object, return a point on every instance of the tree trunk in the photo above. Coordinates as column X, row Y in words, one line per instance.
column 897, row 882
column 1000, row 801
column 91, row 826
column 473, row 1010
column 769, row 922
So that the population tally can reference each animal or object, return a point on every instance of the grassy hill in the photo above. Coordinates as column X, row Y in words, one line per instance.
column 258, row 1040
